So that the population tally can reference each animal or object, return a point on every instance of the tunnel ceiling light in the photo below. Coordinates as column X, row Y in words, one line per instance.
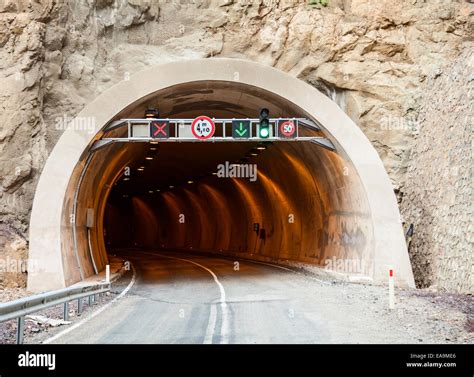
column 158, row 190
column 141, row 168
column 153, row 148
column 151, row 191
column 261, row 147
column 171, row 186
column 125, row 196
column 126, row 179
column 214, row 173
column 153, row 142
column 148, row 158
column 253, row 152
column 190, row 182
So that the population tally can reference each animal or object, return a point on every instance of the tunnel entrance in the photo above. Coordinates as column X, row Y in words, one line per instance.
column 304, row 204
column 257, row 198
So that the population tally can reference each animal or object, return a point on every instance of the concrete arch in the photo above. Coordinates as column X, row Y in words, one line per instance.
column 386, row 249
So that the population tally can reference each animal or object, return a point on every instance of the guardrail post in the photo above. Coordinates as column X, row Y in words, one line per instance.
column 20, row 330
column 90, row 300
column 79, row 306
column 66, row 311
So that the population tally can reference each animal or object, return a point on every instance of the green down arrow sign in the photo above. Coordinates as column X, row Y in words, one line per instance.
column 241, row 129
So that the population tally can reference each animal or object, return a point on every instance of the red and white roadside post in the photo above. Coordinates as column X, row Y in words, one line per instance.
column 391, row 290
column 107, row 273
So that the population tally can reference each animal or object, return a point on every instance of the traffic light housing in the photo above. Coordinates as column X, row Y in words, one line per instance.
column 264, row 126
column 152, row 113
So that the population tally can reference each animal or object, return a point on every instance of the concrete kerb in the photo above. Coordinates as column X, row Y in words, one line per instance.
column 117, row 270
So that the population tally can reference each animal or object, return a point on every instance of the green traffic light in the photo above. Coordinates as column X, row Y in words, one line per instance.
column 264, row 129
column 264, row 132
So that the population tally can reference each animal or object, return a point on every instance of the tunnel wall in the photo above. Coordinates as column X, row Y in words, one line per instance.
column 300, row 199
column 83, row 251
column 50, row 226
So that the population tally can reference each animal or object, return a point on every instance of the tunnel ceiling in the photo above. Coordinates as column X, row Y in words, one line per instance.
column 171, row 163
column 215, row 99
column 177, row 163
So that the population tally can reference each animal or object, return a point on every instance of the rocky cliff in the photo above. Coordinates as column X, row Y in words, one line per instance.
column 376, row 59
column 438, row 197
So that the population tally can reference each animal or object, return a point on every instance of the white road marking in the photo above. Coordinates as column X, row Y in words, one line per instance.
column 211, row 325
column 213, row 313
column 94, row 314
column 288, row 269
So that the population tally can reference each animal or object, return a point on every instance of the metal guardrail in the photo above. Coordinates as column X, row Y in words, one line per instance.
column 28, row 305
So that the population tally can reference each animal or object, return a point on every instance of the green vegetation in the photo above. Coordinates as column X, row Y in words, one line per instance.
column 324, row 3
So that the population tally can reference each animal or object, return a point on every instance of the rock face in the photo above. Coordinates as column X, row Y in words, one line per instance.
column 13, row 259
column 374, row 58
column 438, row 196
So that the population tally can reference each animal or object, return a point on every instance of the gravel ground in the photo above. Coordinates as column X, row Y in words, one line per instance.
column 435, row 317
column 445, row 313
column 9, row 294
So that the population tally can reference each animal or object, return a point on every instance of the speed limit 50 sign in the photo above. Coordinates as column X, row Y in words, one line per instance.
column 203, row 127
column 287, row 129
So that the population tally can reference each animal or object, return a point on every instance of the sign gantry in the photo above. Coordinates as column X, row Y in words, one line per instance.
column 206, row 129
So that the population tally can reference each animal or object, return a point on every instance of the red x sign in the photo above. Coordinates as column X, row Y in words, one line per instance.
column 160, row 129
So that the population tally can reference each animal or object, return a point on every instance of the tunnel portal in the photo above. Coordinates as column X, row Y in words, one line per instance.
column 305, row 204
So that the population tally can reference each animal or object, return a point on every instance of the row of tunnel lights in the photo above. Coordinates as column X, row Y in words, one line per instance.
column 254, row 152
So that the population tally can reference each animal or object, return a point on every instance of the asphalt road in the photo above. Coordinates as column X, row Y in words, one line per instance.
column 186, row 298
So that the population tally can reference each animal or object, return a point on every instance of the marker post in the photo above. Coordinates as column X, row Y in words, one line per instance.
column 391, row 290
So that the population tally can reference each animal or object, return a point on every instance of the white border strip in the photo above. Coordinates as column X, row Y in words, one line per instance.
column 94, row 314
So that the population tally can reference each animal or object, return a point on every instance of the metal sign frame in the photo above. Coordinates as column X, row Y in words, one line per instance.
column 174, row 124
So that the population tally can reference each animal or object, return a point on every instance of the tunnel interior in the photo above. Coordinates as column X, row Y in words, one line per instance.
column 305, row 204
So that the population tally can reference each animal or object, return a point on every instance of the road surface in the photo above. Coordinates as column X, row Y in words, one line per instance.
column 195, row 299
